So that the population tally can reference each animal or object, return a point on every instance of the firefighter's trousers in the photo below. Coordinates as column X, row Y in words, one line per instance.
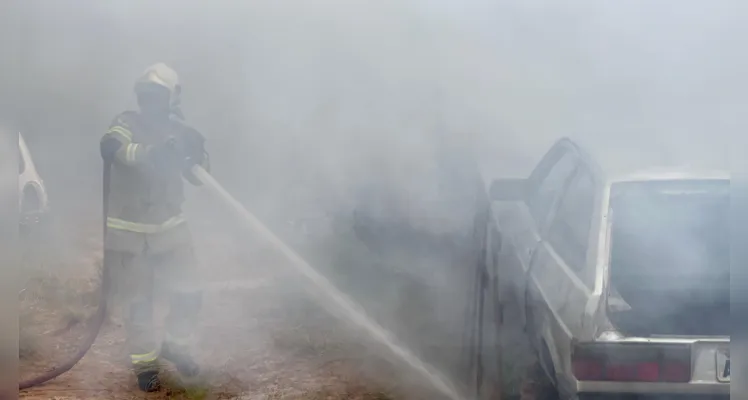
column 139, row 280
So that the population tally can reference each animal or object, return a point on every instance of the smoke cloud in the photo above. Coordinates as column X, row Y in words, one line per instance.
column 387, row 111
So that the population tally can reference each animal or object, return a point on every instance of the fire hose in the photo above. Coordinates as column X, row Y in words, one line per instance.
column 97, row 320
column 342, row 303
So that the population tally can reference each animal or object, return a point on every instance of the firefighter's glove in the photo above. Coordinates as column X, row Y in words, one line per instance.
column 189, row 162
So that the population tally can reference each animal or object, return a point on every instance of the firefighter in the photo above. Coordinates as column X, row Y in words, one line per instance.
column 148, row 243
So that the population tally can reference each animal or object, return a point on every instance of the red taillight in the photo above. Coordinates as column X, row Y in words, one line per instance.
column 648, row 372
column 676, row 372
column 629, row 362
column 587, row 370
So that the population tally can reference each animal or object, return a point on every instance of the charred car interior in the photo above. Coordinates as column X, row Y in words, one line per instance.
column 669, row 257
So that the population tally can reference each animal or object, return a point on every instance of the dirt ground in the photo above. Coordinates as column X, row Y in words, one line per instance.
column 261, row 336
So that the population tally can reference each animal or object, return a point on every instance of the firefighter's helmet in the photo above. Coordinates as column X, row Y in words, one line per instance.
column 162, row 75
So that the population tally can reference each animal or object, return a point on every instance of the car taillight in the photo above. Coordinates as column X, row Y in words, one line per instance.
column 632, row 362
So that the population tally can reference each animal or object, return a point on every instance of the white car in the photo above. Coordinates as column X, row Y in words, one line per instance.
column 622, row 281
column 32, row 195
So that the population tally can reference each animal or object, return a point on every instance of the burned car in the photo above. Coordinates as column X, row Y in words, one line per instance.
column 621, row 281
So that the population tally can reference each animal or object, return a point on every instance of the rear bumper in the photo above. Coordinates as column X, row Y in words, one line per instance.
column 658, row 391
column 704, row 383
column 664, row 396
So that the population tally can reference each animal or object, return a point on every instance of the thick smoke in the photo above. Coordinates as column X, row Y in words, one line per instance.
column 384, row 111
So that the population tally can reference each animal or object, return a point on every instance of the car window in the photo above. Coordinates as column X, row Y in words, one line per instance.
column 550, row 186
column 569, row 232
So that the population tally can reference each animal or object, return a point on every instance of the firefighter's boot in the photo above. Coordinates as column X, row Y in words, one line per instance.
column 143, row 352
column 149, row 381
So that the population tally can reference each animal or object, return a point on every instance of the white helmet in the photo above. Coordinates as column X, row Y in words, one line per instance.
column 162, row 75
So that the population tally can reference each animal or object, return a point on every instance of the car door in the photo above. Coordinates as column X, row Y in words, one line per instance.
column 562, row 273
column 520, row 226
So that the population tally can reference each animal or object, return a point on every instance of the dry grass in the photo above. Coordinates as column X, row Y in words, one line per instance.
column 349, row 392
column 47, row 292
column 356, row 367
column 315, row 355
column 28, row 346
column 342, row 391
column 176, row 389
column 301, row 331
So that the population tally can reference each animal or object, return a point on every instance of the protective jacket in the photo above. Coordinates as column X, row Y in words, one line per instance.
column 145, row 202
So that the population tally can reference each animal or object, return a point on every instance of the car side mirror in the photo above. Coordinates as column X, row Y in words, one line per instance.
column 511, row 189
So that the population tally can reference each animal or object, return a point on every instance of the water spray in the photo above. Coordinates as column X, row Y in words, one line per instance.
column 351, row 310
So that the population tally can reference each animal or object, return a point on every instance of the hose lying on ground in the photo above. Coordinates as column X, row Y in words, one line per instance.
column 95, row 325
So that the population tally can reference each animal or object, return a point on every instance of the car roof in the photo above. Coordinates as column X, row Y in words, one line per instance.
column 669, row 173
column 636, row 164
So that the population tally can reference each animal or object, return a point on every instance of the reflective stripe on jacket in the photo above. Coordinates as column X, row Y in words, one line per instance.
column 119, row 224
column 145, row 202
